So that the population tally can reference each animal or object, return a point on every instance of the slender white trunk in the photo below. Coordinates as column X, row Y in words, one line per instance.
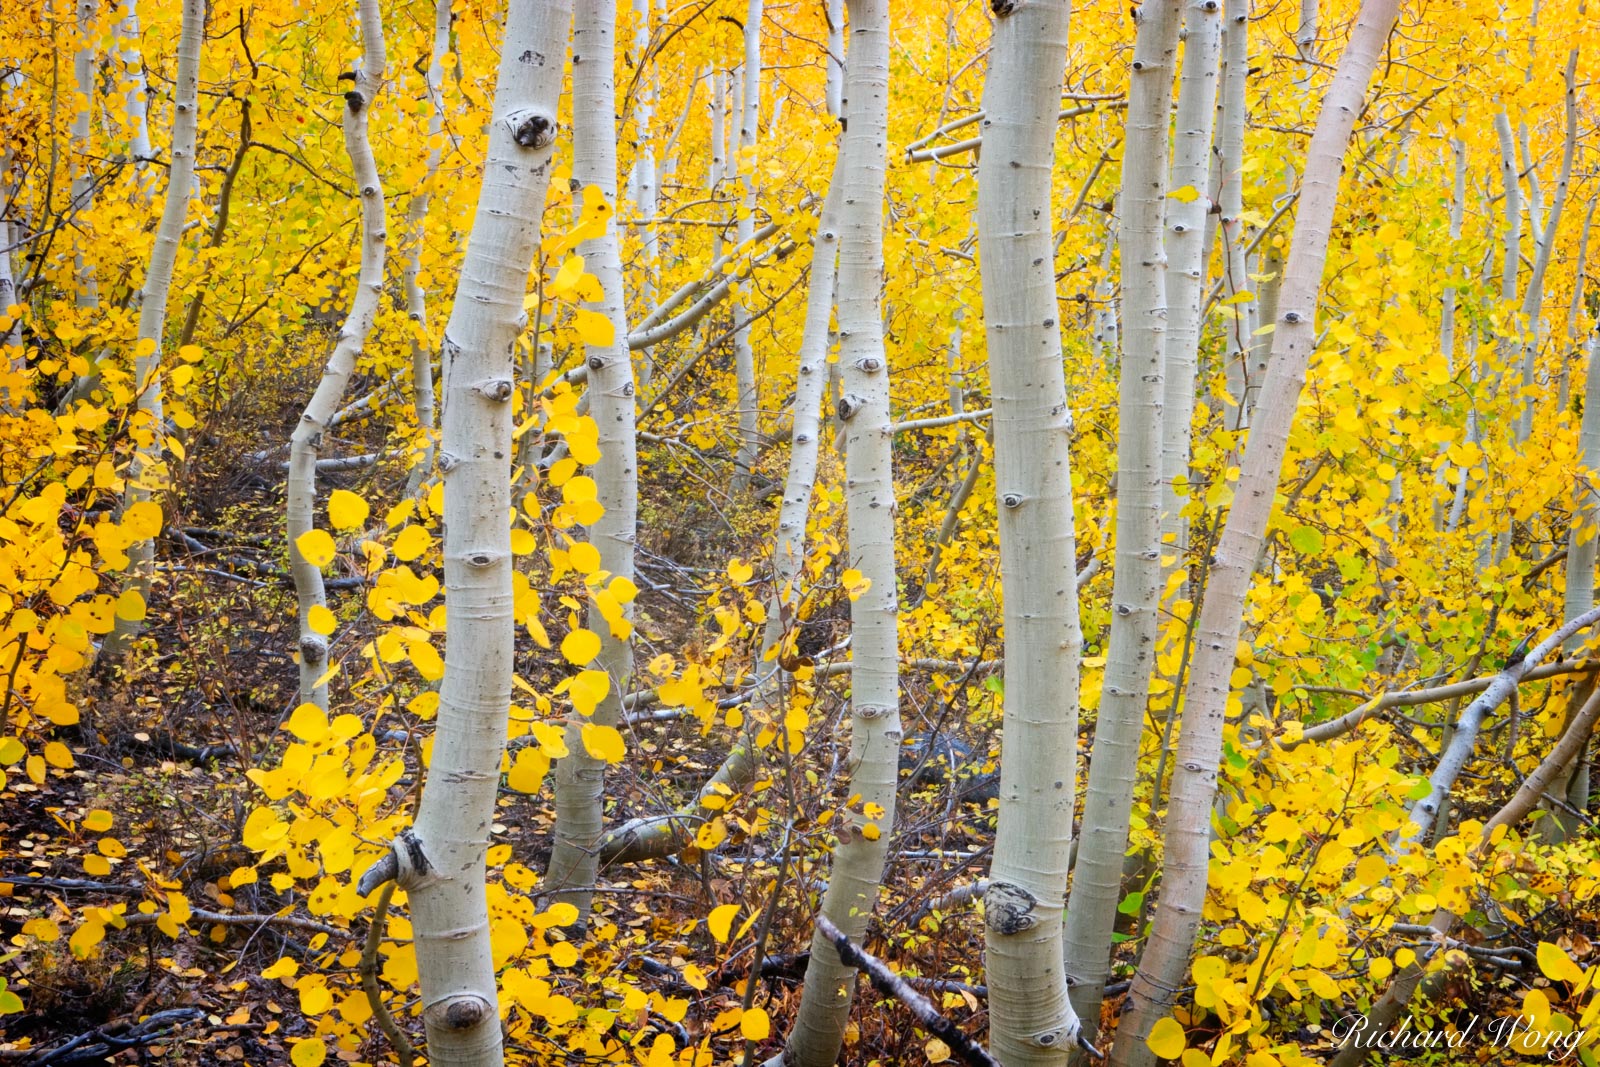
column 1032, row 1022
column 305, row 445
column 1574, row 338
column 719, row 96
column 652, row 837
column 416, row 239
column 744, row 358
column 11, row 352
column 1447, row 310
column 1136, row 589
column 440, row 861
column 834, row 62
column 148, row 471
column 1183, row 885
column 1533, row 296
column 81, row 202
column 1241, row 312
column 137, row 106
column 1581, row 539
column 1186, row 269
column 644, row 184
column 580, row 777
column 858, row 858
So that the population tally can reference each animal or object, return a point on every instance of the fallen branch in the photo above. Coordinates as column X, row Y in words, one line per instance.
column 893, row 985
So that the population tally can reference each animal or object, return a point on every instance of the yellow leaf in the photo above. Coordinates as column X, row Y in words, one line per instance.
column 1557, row 965
column 321, row 620
column 309, row 723
column 720, row 921
column 43, row 929
column 98, row 821
column 1186, row 195
column 346, row 510
column 1166, row 1039
column 316, row 547
column 571, row 270
column 57, row 755
column 694, row 976
column 594, row 328
column 739, row 571
column 587, row 689
column 754, row 1024
column 937, row 1051
column 580, row 647
column 85, row 938
column 308, row 1053
column 412, row 542
column 425, row 658
column 584, row 557
column 97, row 866
column 603, row 742
column 130, row 606
column 528, row 770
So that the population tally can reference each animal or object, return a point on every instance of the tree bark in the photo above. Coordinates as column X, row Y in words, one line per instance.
column 416, row 240
column 1136, row 583
column 580, row 777
column 305, row 444
column 744, row 357
column 148, row 471
column 440, row 861
column 1032, row 1022
column 1183, row 886
column 858, row 859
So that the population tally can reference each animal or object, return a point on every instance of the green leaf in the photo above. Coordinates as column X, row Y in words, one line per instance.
column 1306, row 540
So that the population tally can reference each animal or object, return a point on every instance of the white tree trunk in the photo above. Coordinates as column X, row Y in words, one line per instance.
column 137, row 106
column 744, row 358
column 858, row 859
column 440, row 861
column 834, row 62
column 1032, row 1023
column 1581, row 554
column 148, row 471
column 305, row 445
column 1243, row 377
column 1183, row 884
column 1186, row 265
column 1135, row 594
column 580, row 777
column 416, row 234
column 1533, row 296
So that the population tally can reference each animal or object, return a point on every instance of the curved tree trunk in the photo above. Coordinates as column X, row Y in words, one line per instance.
column 580, row 777
column 1188, row 837
column 1032, row 1021
column 1136, row 589
column 305, row 445
column 858, row 859
column 148, row 472
column 440, row 861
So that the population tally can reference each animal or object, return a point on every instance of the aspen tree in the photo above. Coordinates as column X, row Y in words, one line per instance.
column 439, row 862
column 1187, row 211
column 305, row 444
column 1188, row 837
column 1136, row 589
column 580, row 777
column 744, row 359
column 147, row 473
column 858, row 859
column 1243, row 373
column 1032, row 1021
column 416, row 227
column 136, row 107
